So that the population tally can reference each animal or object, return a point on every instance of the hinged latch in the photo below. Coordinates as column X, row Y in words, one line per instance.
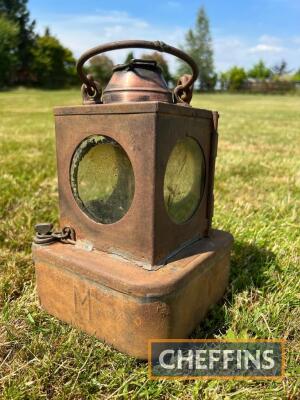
column 45, row 235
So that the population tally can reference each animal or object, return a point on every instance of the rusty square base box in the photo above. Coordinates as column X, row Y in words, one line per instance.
column 125, row 305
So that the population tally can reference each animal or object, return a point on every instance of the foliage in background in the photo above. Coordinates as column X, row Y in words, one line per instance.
column 260, row 71
column 8, row 58
column 27, row 58
column 233, row 79
column 101, row 69
column 53, row 65
column 129, row 57
column 16, row 11
column 280, row 69
column 198, row 44
column 296, row 76
column 161, row 61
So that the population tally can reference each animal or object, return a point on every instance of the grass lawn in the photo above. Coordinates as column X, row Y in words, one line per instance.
column 257, row 199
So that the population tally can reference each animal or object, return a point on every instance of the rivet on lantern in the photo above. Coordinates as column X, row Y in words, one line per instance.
column 136, row 257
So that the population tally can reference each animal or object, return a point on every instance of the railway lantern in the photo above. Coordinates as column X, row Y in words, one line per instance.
column 136, row 257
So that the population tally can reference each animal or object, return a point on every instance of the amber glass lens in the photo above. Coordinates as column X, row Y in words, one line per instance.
column 184, row 180
column 102, row 179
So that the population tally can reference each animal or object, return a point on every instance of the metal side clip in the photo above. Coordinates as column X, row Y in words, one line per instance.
column 45, row 235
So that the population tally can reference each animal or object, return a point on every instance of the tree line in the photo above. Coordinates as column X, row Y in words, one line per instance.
column 198, row 44
column 27, row 58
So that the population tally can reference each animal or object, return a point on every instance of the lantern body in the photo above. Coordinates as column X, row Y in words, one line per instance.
column 147, row 231
column 136, row 184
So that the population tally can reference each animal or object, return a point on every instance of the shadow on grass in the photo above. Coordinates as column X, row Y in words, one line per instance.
column 248, row 269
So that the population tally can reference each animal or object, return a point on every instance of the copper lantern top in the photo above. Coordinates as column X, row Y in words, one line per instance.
column 138, row 80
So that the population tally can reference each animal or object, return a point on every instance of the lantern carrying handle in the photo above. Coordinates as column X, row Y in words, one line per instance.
column 184, row 88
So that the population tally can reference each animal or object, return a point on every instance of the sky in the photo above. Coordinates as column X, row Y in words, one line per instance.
column 243, row 31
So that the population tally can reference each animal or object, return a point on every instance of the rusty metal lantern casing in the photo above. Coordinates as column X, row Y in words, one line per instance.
column 144, row 250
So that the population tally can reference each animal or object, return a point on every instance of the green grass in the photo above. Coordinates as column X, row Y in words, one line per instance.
column 257, row 199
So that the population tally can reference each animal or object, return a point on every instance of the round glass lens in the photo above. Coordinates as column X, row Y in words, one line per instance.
column 184, row 180
column 102, row 179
